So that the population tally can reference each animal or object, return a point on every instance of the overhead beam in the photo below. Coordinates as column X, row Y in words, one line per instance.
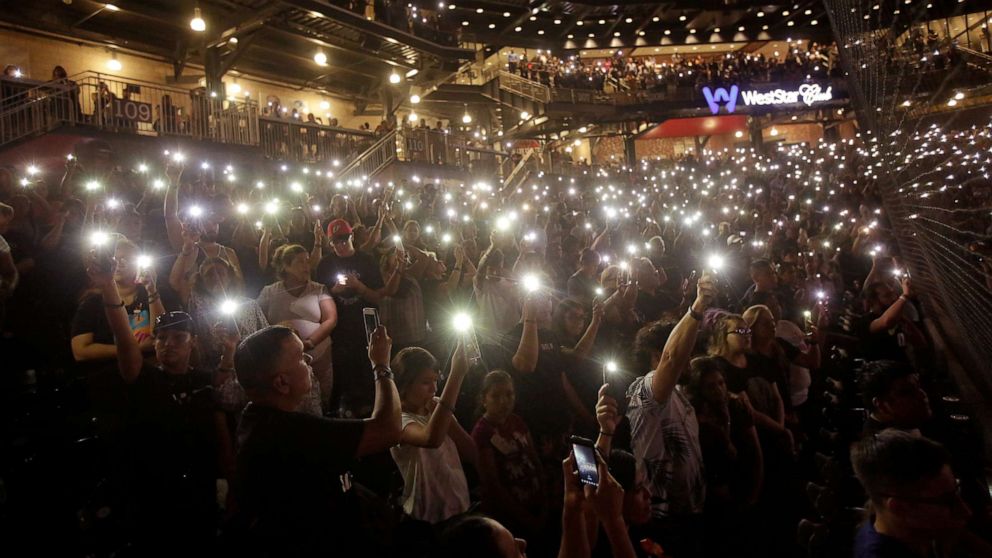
column 252, row 23
column 312, row 36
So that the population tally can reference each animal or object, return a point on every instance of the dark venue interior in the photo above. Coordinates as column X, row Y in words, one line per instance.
column 496, row 278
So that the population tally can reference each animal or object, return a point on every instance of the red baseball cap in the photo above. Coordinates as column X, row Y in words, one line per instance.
column 338, row 227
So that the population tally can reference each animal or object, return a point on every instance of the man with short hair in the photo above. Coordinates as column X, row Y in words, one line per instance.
column 763, row 279
column 582, row 284
column 916, row 504
column 355, row 282
column 294, row 484
column 651, row 301
column 894, row 397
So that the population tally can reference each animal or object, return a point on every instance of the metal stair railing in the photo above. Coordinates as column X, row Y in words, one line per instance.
column 372, row 160
column 524, row 87
column 518, row 174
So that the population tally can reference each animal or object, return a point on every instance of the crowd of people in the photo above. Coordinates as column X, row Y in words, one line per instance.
column 632, row 362
column 652, row 73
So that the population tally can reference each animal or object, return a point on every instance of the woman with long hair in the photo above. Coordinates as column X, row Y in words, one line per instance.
column 305, row 306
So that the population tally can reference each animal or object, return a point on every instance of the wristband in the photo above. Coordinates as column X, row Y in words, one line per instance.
column 120, row 305
column 904, row 297
column 607, row 434
column 695, row 315
column 382, row 373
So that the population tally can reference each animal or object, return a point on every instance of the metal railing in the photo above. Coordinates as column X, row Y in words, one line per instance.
column 524, row 87
column 518, row 174
column 372, row 160
column 310, row 142
column 107, row 103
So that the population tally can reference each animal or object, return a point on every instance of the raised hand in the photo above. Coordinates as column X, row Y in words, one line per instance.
column 606, row 411
column 380, row 347
column 705, row 293
column 607, row 498
column 100, row 268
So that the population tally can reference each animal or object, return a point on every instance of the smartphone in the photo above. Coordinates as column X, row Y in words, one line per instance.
column 371, row 318
column 585, row 461
column 472, row 351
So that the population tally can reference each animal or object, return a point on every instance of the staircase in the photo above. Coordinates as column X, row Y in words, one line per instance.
column 371, row 161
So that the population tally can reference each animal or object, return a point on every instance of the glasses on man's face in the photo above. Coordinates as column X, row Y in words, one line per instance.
column 340, row 240
column 742, row 331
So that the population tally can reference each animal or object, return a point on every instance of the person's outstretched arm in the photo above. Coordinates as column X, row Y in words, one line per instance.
column 678, row 348
column 128, row 351
column 442, row 416
column 382, row 429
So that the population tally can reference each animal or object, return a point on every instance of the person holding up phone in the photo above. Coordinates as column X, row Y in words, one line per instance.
column 355, row 282
column 661, row 413
column 175, row 439
column 293, row 468
column 432, row 444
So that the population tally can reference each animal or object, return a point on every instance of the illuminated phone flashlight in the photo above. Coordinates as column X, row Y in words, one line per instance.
column 715, row 262
column 897, row 272
column 144, row 261
column 429, row 229
column 204, row 165
column 315, row 208
column 33, row 170
column 609, row 368
column 446, row 238
column 25, row 182
column 531, row 283
column 341, row 278
column 599, row 291
column 113, row 203
column 296, row 187
column 408, row 206
column 92, row 186
column 228, row 307
column 260, row 185
column 70, row 157
column 502, row 224
column 99, row 239
column 142, row 168
column 271, row 207
column 259, row 225
column 158, row 184
column 195, row 211
column 243, row 208
column 178, row 157
column 462, row 322
column 821, row 296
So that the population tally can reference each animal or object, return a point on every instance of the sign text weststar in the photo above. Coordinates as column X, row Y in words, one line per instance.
column 807, row 93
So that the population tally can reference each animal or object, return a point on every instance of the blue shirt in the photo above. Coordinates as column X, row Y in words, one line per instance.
column 869, row 543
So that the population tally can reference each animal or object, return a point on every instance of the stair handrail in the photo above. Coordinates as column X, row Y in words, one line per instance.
column 508, row 182
column 533, row 90
column 384, row 150
column 18, row 100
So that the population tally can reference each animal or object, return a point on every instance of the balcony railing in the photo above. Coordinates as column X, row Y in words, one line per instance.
column 110, row 104
column 524, row 87
column 311, row 143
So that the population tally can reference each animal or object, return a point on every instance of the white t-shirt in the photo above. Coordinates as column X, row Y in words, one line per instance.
column 799, row 377
column 434, row 485
column 301, row 313
column 665, row 440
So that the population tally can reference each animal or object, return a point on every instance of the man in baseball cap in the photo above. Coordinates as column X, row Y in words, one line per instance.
column 355, row 282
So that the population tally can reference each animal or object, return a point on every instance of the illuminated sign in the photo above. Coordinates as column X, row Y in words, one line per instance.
column 807, row 93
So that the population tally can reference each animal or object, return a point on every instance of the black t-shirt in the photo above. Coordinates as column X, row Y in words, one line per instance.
column 92, row 318
column 172, row 434
column 540, row 394
column 883, row 345
column 350, row 328
column 290, row 468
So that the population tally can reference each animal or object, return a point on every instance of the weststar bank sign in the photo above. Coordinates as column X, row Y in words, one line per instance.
column 807, row 94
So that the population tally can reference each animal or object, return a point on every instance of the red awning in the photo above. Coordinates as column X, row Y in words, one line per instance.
column 701, row 126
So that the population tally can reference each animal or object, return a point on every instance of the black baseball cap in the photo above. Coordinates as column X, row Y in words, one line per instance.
column 175, row 321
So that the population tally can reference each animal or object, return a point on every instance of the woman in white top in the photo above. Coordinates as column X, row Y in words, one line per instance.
column 432, row 444
column 304, row 305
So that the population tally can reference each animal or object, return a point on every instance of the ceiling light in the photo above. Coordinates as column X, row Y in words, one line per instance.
column 602, row 22
column 414, row 99
column 785, row 13
column 628, row 20
column 320, row 58
column 325, row 105
column 394, row 78
column 114, row 64
column 506, row 14
column 197, row 24
column 557, row 22
column 681, row 18
column 540, row 31
column 465, row 23
column 111, row 8
column 411, row 73
column 761, row 14
column 413, row 117
column 466, row 118
column 492, row 26
column 479, row 10
column 517, row 29
column 741, row 28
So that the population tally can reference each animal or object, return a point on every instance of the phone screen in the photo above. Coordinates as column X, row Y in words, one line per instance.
column 585, row 462
column 371, row 316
